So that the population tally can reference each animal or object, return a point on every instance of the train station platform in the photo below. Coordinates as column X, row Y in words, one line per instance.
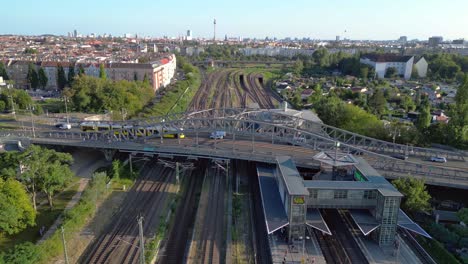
column 315, row 220
column 282, row 252
column 405, row 222
column 364, row 220
column 273, row 208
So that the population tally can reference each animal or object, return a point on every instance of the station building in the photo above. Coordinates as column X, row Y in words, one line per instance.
column 293, row 203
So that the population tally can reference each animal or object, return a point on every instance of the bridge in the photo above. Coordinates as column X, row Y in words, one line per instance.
column 261, row 135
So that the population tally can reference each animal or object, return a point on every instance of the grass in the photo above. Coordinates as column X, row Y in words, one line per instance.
column 8, row 126
column 52, row 105
column 45, row 217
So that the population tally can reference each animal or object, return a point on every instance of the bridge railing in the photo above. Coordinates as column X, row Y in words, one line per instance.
column 259, row 130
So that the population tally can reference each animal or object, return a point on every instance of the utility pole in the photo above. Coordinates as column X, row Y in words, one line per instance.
column 66, row 109
column 64, row 245
column 130, row 161
column 177, row 172
column 32, row 120
column 142, row 240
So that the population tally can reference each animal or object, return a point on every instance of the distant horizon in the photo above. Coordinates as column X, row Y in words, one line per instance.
column 359, row 20
column 208, row 38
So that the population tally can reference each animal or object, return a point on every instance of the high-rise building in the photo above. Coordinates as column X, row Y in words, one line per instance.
column 189, row 35
column 214, row 29
column 337, row 38
column 435, row 41
column 75, row 33
column 403, row 39
column 458, row 41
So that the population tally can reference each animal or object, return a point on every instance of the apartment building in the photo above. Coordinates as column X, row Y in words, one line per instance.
column 381, row 62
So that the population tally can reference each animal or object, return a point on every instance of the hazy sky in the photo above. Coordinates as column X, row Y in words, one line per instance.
column 324, row 19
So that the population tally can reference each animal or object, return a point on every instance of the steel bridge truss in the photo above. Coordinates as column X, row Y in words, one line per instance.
column 254, row 130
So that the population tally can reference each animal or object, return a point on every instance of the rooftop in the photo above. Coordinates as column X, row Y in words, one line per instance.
column 292, row 178
column 387, row 57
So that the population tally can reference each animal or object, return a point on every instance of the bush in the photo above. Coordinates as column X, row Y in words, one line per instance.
column 24, row 253
column 73, row 221
column 437, row 251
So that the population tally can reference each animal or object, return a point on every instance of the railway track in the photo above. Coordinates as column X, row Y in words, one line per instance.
column 231, row 88
column 173, row 249
column 119, row 243
column 210, row 241
column 261, row 245
column 340, row 248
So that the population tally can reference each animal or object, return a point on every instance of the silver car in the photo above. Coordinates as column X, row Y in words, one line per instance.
column 438, row 159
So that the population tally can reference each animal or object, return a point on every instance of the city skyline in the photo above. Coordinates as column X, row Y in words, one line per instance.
column 360, row 20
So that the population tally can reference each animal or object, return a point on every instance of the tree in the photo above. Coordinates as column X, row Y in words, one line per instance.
column 391, row 72
column 364, row 72
column 32, row 77
column 416, row 196
column 81, row 70
column 414, row 73
column 2, row 106
column 298, row 67
column 16, row 211
column 43, row 169
column 145, row 79
column 42, row 78
column 3, row 72
column 463, row 215
column 61, row 79
column 71, row 75
column 424, row 119
column 102, row 72
column 377, row 103
column 24, row 253
column 135, row 76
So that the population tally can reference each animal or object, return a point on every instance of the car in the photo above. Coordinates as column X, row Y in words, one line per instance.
column 439, row 159
column 63, row 126
column 401, row 157
column 357, row 152
column 217, row 135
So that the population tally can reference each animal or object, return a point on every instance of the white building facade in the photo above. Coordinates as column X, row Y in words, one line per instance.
column 381, row 62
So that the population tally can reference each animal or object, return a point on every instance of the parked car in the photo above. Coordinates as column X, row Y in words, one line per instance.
column 398, row 156
column 438, row 159
column 63, row 126
column 357, row 152
column 217, row 135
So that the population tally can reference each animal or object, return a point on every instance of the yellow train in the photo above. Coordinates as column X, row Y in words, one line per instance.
column 138, row 131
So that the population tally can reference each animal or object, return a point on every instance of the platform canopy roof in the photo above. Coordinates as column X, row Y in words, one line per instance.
column 405, row 222
column 364, row 220
column 336, row 159
column 273, row 208
column 314, row 219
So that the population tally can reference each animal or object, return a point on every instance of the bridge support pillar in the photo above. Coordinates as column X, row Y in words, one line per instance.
column 109, row 154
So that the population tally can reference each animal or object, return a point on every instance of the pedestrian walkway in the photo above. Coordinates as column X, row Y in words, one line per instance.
column 74, row 200
column 282, row 253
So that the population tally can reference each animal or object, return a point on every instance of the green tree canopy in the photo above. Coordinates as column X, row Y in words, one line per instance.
column 3, row 72
column 24, row 253
column 391, row 72
column 16, row 210
column 102, row 72
column 71, row 75
column 377, row 103
column 43, row 169
column 416, row 196
column 61, row 79
column 32, row 77
column 42, row 78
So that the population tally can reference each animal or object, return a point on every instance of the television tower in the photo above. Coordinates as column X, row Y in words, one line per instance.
column 214, row 30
